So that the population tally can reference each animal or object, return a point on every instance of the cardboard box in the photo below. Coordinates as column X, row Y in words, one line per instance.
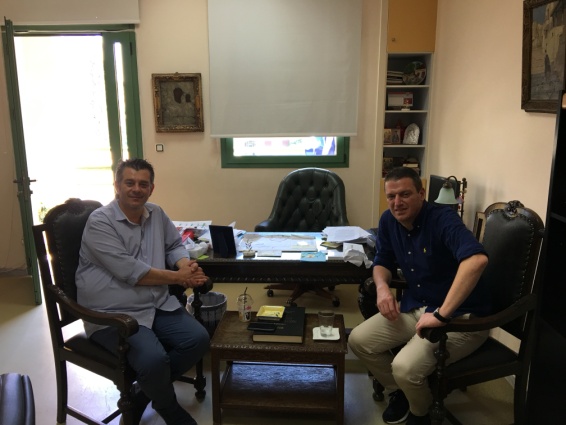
column 399, row 100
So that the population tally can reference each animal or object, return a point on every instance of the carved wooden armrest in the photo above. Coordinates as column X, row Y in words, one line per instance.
column 476, row 324
column 125, row 324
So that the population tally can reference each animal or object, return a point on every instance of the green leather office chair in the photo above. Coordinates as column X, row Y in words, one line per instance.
column 308, row 200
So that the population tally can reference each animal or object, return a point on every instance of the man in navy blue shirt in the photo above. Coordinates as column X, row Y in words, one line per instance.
column 442, row 263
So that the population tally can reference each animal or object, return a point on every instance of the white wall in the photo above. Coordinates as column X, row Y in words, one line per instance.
column 477, row 131
column 190, row 182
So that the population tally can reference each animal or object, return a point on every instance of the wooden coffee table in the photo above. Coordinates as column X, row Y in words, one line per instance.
column 277, row 377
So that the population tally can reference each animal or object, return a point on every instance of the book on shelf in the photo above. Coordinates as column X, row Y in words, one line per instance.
column 411, row 162
column 394, row 77
column 291, row 329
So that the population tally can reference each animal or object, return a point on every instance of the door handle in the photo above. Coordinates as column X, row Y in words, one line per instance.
column 20, row 181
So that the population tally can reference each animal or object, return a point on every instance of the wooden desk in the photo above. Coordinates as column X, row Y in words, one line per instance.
column 285, row 269
column 309, row 377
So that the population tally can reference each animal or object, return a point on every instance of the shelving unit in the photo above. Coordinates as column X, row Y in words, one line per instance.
column 418, row 114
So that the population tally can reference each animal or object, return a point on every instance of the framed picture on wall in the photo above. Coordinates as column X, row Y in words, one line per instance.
column 177, row 99
column 544, row 53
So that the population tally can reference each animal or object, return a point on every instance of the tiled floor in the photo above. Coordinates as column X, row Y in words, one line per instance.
column 26, row 348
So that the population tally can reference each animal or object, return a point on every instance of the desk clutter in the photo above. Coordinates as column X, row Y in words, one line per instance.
column 343, row 243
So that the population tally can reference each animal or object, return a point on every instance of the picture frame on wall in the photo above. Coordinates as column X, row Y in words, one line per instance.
column 544, row 52
column 177, row 99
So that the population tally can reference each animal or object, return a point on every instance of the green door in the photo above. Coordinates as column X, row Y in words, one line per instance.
column 74, row 97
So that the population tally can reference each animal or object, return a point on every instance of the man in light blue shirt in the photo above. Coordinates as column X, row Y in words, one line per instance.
column 130, row 253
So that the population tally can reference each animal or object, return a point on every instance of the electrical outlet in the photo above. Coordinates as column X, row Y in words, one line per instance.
column 159, row 147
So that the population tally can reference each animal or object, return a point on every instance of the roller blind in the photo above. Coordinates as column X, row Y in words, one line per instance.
column 66, row 12
column 284, row 67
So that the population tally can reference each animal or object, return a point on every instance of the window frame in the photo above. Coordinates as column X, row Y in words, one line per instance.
column 340, row 160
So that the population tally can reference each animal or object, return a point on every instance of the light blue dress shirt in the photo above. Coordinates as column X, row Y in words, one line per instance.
column 116, row 253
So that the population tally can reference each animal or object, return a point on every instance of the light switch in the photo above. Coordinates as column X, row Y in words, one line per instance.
column 159, row 147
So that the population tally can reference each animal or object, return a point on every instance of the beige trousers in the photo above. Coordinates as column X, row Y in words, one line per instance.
column 408, row 370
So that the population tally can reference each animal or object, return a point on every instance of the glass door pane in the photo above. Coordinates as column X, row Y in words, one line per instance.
column 65, row 120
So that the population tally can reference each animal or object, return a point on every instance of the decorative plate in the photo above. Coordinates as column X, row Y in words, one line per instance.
column 414, row 73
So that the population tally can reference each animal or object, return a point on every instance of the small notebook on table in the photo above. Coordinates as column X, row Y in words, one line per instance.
column 291, row 329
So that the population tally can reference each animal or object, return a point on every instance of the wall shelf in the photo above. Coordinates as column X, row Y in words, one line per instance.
column 396, row 119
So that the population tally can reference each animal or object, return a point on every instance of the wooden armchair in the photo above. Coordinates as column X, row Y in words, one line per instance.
column 512, row 236
column 58, row 261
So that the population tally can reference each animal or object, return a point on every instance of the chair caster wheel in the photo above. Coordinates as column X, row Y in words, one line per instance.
column 336, row 303
column 270, row 292
column 377, row 397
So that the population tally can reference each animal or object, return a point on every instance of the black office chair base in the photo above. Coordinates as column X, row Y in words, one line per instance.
column 300, row 289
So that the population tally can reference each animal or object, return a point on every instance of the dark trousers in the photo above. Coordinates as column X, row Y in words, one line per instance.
column 160, row 355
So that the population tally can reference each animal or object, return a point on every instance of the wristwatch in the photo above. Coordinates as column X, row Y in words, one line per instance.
column 440, row 317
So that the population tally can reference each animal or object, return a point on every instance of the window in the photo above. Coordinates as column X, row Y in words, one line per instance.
column 283, row 152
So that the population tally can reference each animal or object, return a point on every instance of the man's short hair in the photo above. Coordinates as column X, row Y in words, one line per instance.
column 402, row 173
column 137, row 164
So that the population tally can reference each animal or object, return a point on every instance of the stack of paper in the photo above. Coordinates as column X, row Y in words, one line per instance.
column 346, row 234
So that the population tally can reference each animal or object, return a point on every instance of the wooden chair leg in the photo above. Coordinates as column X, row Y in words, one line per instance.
column 200, row 381
column 126, row 406
column 62, row 392
column 378, row 390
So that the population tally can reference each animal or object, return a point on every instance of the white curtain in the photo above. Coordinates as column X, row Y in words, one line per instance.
column 284, row 67
column 67, row 12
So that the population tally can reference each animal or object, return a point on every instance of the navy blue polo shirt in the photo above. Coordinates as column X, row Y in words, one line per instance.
column 429, row 256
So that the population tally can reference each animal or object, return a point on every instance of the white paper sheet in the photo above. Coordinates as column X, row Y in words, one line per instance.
column 285, row 243
column 346, row 234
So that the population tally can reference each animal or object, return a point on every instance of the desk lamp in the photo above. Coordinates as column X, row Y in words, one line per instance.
column 446, row 195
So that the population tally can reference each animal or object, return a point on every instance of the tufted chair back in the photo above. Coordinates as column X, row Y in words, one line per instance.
column 512, row 238
column 308, row 200
column 64, row 225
